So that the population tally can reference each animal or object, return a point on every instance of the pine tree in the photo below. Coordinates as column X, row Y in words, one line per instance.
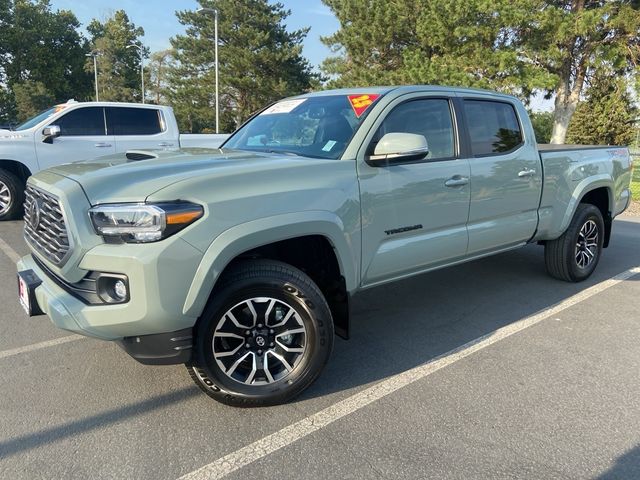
column 606, row 117
column 118, row 66
column 260, row 61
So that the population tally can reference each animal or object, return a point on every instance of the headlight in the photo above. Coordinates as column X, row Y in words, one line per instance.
column 143, row 222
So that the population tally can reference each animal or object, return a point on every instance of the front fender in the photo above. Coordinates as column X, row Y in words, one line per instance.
column 247, row 236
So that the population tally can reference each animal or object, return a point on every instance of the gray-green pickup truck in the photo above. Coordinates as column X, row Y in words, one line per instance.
column 241, row 262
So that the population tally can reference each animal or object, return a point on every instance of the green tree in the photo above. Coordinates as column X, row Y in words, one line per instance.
column 31, row 98
column 606, row 117
column 543, row 125
column 469, row 43
column 576, row 39
column 259, row 62
column 41, row 50
column 118, row 66
column 157, row 68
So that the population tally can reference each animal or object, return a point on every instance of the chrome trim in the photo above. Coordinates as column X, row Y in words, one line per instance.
column 49, row 238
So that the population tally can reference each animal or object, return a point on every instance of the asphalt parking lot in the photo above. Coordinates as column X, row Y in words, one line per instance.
column 486, row 370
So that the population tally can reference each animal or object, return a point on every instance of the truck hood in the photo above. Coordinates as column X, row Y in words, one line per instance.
column 117, row 178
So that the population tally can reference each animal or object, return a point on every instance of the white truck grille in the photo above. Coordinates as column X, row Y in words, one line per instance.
column 44, row 226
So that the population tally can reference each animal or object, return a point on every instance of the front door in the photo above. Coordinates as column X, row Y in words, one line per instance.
column 505, row 177
column 414, row 214
column 83, row 135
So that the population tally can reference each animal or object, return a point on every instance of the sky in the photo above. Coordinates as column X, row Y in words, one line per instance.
column 158, row 19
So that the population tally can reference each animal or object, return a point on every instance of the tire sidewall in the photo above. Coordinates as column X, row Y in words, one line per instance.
column 586, row 213
column 17, row 196
column 316, row 318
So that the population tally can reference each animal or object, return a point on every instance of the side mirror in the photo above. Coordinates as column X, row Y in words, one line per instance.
column 397, row 148
column 50, row 132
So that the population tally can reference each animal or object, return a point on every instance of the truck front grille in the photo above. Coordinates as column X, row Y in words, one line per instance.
column 44, row 226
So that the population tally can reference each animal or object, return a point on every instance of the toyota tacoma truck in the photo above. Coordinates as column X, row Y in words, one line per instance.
column 81, row 130
column 241, row 262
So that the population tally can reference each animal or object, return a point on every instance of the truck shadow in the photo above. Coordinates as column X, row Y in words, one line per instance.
column 405, row 324
column 625, row 466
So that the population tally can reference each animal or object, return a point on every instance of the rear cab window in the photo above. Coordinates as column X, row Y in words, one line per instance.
column 493, row 127
column 134, row 121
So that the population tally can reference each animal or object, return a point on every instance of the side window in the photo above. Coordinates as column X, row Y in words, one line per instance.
column 430, row 118
column 493, row 127
column 82, row 122
column 134, row 121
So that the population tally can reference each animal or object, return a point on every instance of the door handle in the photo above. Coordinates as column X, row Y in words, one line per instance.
column 102, row 145
column 456, row 181
column 165, row 144
column 527, row 173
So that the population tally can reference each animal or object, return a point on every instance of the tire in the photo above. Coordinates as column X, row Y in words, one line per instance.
column 575, row 254
column 11, row 196
column 290, row 302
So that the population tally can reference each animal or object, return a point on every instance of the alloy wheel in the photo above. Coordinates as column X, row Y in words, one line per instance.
column 259, row 341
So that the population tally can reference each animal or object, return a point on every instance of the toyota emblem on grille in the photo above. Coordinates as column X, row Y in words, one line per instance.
column 34, row 213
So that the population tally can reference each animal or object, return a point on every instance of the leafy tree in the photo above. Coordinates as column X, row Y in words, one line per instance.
column 260, row 61
column 542, row 124
column 31, row 98
column 607, row 117
column 40, row 49
column 118, row 66
column 576, row 39
column 159, row 63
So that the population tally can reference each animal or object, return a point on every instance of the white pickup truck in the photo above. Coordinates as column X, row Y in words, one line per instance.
column 82, row 130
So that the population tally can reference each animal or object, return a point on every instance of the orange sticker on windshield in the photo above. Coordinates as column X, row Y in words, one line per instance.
column 360, row 103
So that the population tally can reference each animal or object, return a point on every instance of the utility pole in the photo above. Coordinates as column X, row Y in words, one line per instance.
column 215, row 14
column 95, row 55
column 140, row 49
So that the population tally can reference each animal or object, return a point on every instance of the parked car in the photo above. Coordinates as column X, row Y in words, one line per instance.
column 78, row 131
column 241, row 263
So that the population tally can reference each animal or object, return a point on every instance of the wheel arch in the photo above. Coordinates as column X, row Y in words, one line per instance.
column 602, row 198
column 19, row 169
column 281, row 238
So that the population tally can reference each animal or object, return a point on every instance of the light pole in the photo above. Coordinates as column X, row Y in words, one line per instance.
column 141, row 52
column 215, row 28
column 95, row 55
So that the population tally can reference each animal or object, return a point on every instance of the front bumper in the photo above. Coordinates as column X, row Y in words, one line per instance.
column 159, row 276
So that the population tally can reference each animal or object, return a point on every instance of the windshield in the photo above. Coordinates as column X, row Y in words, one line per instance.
column 316, row 127
column 33, row 121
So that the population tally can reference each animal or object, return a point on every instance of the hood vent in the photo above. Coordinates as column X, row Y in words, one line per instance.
column 136, row 155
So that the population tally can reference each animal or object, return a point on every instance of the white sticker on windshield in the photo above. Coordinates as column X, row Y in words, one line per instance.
column 329, row 145
column 283, row 107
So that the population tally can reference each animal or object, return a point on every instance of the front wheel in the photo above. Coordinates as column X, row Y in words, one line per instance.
column 264, row 337
column 575, row 254
column 11, row 196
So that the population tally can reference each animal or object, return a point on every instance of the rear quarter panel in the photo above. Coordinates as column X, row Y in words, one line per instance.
column 570, row 174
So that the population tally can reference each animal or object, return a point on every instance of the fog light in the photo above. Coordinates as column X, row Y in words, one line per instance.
column 120, row 290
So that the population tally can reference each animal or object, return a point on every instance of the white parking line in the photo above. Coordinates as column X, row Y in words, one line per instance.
column 41, row 345
column 8, row 251
column 280, row 439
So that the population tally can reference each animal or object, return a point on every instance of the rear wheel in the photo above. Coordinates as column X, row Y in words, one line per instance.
column 264, row 337
column 11, row 196
column 575, row 254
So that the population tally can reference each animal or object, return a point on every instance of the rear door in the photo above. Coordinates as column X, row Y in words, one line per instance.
column 83, row 135
column 139, row 128
column 414, row 214
column 505, row 176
